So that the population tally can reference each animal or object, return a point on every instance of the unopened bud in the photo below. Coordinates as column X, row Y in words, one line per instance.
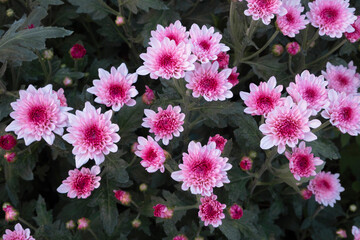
column 306, row 193
column 123, row 197
column 277, row 50
column 353, row 207
column 10, row 157
column 341, row 233
column 252, row 154
column 83, row 223
column 10, row 12
column 134, row 147
column 10, row 212
column 293, row 48
column 136, row 223
column 67, row 81
column 70, row 224
column 143, row 187
column 119, row 20
column 245, row 163
column 148, row 97
column 48, row 54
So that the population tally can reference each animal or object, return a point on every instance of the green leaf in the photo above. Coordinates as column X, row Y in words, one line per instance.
column 46, row 3
column 116, row 167
column 43, row 217
column 229, row 230
column 5, row 108
column 268, row 66
column 284, row 175
column 95, row 8
column 66, row 72
column 154, row 4
column 324, row 148
column 25, row 164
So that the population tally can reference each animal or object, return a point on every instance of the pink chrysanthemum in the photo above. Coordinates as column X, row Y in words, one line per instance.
column 175, row 31
column 83, row 223
column 11, row 214
column 92, row 134
column 10, row 157
column 38, row 114
column 223, row 60
column 264, row 9
column 18, row 234
column 292, row 22
column 219, row 141
column 206, row 43
column 341, row 233
column 306, row 193
column 326, row 188
column 343, row 112
column 288, row 124
column 355, row 232
column 342, row 79
column 310, row 88
column 149, row 96
column 180, row 237
column 115, row 89
column 61, row 97
column 202, row 169
column 211, row 211
column 355, row 35
column 262, row 99
column 162, row 211
column 302, row 162
column 153, row 156
column 165, row 123
column 166, row 59
column 206, row 81
column 246, row 163
column 332, row 17
column 235, row 211
column 123, row 197
column 293, row 48
column 80, row 183
column 7, row 142
column 233, row 77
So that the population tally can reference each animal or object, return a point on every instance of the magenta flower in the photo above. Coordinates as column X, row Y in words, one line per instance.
column 92, row 134
column 310, row 88
column 149, row 96
column 343, row 112
column 164, row 124
column 175, row 31
column 292, row 22
column 342, row 233
column 123, row 197
column 235, row 211
column 166, row 59
column 342, row 79
column 83, row 223
column 77, row 51
column 162, row 211
column 202, row 169
column 223, row 60
column 180, row 237
column 206, row 81
column 219, row 141
column 211, row 211
column 233, row 77
column 10, row 157
column 115, row 89
column 288, row 124
column 302, row 162
column 152, row 155
column 332, row 17
column 293, row 48
column 326, row 188
column 80, row 183
column 306, row 193
column 262, row 99
column 265, row 10
column 11, row 214
column 246, row 163
column 206, row 43
column 355, row 232
column 38, row 114
column 355, row 35
column 18, row 234
column 7, row 142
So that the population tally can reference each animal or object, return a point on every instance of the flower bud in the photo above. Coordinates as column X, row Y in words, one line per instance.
column 341, row 233
column 148, row 97
column 48, row 54
column 293, row 48
column 10, row 157
column 306, row 193
column 233, row 78
column 119, row 20
column 180, row 237
column 70, row 224
column 252, row 154
column 77, row 51
column 235, row 211
column 83, row 223
column 219, row 141
column 136, row 223
column 246, row 163
column 199, row 238
column 162, row 211
column 7, row 142
column 67, row 81
column 353, row 208
column 134, row 147
column 10, row 213
column 10, row 12
column 143, row 187
column 223, row 60
column 123, row 197
column 277, row 50
column 167, row 155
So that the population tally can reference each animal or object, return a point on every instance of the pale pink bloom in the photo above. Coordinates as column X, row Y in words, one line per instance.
column 115, row 89
column 342, row 233
column 92, row 134
column 148, row 97
column 152, row 155
column 211, row 211
column 123, row 197
column 292, row 22
column 219, row 141
column 342, row 79
column 206, row 43
column 306, row 193
column 277, row 50
column 180, row 237
column 233, row 77
column 119, row 20
column 326, row 188
column 302, row 162
column 162, row 211
column 80, row 183
column 136, row 223
column 83, row 223
column 265, row 10
column 202, row 169
column 332, row 17
column 310, row 88
column 343, row 112
column 354, row 36
column 223, row 60
column 134, row 147
column 235, row 211
column 288, row 124
column 246, row 163
column 61, row 97
column 10, row 157
column 38, row 114
column 293, row 48
column 262, row 99
column 166, row 59
column 206, row 81
column 164, row 124
column 18, row 234
column 175, row 31
column 70, row 224
column 67, row 81
column 11, row 214
column 355, row 232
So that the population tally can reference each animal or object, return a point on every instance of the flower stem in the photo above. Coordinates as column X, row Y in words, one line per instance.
column 290, row 63
column 328, row 53
column 137, row 206
column 92, row 233
column 322, row 126
column 168, row 168
column 27, row 223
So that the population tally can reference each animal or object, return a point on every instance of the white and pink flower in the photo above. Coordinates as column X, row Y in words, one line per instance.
column 61, row 97
column 265, row 10
column 175, row 31
column 18, row 234
column 152, row 155
column 211, row 211
column 219, row 141
column 355, row 232
column 161, row 211
column 233, row 77
column 355, row 35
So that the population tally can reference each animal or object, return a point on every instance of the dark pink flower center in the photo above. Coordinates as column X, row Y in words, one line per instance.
column 208, row 84
column 150, row 154
column 172, row 36
column 205, row 45
column 287, row 128
column 323, row 184
column 166, row 122
column 302, row 162
column 289, row 18
column 166, row 60
column 343, row 80
column 38, row 114
column 264, row 103
column 117, row 91
column 210, row 211
column 310, row 94
column 82, row 183
column 201, row 168
column 329, row 14
column 93, row 135
column 346, row 113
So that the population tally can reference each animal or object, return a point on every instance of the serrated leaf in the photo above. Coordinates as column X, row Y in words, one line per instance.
column 284, row 175
column 268, row 66
column 43, row 217
column 324, row 148
column 95, row 8
column 66, row 72
column 5, row 108
column 154, row 4
column 229, row 230
column 46, row 3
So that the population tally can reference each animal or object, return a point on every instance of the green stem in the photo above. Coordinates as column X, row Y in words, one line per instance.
column 48, row 77
column 92, row 233
column 263, row 47
column 168, row 168
column 132, row 161
column 27, row 223
column 137, row 206
column 316, row 36
column 290, row 63
column 325, row 124
column 328, row 54
column 251, row 30
column 317, row 211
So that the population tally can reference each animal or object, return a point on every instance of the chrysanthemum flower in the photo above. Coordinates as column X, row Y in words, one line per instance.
column 180, row 237
column 306, row 193
column 262, row 99
column 288, row 124
column 292, row 22
column 326, row 188
column 302, row 162
column 115, row 89
column 355, row 232
column 293, row 48
column 149, row 96
column 152, row 155
column 341, row 233
column 10, row 157
column 342, row 79
column 175, row 31
column 18, row 234
column 164, row 124
column 206, row 81
column 332, row 17
column 246, row 163
column 83, row 223
column 223, row 60
column 206, row 43
column 61, row 97
column 211, row 211
column 162, row 211
column 235, row 211
column 38, row 114
column 202, row 169
column 11, row 214
column 265, row 10
column 92, row 134
column 123, row 197
column 355, row 35
column 219, row 141
column 343, row 112
column 310, row 88
column 77, row 51
column 233, row 77
column 7, row 142
column 70, row 224
column 80, row 183
column 166, row 59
